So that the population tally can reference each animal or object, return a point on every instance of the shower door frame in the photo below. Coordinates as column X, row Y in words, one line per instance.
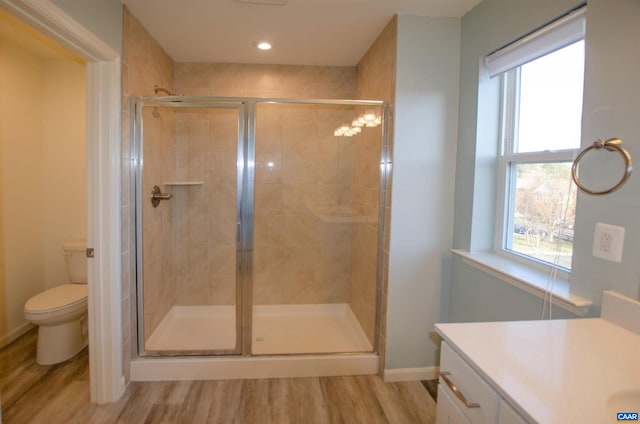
column 245, row 183
column 138, row 103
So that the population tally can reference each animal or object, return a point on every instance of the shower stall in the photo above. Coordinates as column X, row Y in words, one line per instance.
column 259, row 227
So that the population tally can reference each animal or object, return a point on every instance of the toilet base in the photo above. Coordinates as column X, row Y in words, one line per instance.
column 57, row 343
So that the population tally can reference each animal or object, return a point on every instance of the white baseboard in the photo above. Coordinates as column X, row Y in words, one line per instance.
column 8, row 338
column 410, row 374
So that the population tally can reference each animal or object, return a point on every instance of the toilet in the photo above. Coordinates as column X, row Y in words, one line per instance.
column 61, row 312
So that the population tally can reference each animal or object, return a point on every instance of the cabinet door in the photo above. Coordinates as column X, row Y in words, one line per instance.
column 448, row 412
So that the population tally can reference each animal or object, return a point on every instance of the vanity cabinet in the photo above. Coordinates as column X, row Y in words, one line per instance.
column 542, row 371
column 464, row 396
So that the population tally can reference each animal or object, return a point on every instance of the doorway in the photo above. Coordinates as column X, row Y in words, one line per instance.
column 103, row 188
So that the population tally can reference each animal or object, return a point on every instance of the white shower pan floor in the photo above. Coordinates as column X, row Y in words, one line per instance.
column 195, row 328
column 321, row 328
column 277, row 329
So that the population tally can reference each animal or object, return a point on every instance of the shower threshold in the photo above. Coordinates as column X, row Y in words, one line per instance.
column 277, row 329
column 288, row 341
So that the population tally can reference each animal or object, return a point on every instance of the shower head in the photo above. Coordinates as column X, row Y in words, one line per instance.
column 157, row 89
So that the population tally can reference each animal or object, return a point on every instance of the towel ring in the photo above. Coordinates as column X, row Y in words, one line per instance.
column 612, row 145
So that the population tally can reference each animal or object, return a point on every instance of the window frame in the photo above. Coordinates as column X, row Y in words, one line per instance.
column 508, row 130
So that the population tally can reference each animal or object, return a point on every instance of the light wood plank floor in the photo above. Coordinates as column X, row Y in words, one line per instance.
column 34, row 394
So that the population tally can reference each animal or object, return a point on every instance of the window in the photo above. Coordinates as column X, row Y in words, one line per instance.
column 540, row 136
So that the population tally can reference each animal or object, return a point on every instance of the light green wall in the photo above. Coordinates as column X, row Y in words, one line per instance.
column 102, row 17
column 422, row 188
column 610, row 104
column 611, row 109
column 477, row 296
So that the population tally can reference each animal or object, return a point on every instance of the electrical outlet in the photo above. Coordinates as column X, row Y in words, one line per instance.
column 605, row 242
column 608, row 241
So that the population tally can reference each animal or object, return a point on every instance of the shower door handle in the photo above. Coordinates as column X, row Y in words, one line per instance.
column 157, row 195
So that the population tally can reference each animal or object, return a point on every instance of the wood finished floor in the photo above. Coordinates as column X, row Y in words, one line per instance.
column 33, row 394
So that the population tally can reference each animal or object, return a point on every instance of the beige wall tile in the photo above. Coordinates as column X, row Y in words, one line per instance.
column 375, row 80
column 222, row 229
column 222, row 290
column 146, row 64
column 268, row 199
column 194, row 75
column 267, row 261
column 268, row 230
column 298, row 261
column 268, row 167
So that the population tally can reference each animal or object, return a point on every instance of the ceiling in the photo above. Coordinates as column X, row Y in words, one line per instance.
column 303, row 32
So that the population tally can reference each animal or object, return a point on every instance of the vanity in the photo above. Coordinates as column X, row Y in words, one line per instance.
column 558, row 371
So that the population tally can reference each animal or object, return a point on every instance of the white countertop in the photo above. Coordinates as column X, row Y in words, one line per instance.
column 559, row 371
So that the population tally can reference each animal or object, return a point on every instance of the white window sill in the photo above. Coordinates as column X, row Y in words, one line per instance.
column 525, row 278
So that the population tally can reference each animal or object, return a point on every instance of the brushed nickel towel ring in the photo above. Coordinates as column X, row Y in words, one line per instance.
column 612, row 145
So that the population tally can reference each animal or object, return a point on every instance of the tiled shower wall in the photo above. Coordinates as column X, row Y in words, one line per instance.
column 158, row 269
column 303, row 181
column 203, row 210
column 376, row 79
column 300, row 168
column 144, row 64
column 274, row 81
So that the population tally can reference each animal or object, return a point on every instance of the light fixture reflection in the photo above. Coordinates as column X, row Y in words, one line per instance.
column 368, row 119
column 263, row 45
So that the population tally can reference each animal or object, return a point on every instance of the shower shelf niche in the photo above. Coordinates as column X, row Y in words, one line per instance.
column 182, row 183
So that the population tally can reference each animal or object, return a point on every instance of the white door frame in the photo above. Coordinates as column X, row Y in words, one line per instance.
column 104, row 201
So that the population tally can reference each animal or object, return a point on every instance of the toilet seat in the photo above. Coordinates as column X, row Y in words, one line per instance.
column 64, row 297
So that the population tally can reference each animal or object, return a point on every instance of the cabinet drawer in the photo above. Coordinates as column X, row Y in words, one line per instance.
column 469, row 385
column 448, row 412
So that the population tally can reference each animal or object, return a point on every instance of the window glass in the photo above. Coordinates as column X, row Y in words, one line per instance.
column 542, row 112
column 544, row 212
column 550, row 109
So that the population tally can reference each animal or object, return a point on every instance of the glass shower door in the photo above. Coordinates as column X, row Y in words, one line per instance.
column 316, row 221
column 190, row 167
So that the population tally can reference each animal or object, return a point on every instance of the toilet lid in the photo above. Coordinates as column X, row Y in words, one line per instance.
column 57, row 297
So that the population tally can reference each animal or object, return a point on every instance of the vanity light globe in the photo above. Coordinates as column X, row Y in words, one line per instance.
column 369, row 116
column 263, row 45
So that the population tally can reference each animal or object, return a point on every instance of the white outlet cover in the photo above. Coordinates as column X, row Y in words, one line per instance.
column 614, row 243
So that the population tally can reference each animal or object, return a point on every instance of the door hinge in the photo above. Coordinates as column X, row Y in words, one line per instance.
column 90, row 252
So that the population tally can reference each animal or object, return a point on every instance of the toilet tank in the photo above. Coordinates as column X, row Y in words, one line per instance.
column 76, row 259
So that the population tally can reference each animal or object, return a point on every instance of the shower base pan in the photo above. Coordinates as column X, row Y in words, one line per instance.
column 277, row 329
column 295, row 341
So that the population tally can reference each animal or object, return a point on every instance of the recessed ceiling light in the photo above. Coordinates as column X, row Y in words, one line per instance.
column 263, row 45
